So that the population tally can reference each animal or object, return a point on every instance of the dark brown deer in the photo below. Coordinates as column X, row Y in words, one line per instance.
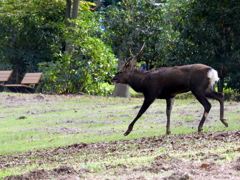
column 167, row 82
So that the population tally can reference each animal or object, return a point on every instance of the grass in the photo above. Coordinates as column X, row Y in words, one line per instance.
column 78, row 119
column 30, row 124
column 92, row 119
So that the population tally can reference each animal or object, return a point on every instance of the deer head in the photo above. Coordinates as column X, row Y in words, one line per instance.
column 122, row 76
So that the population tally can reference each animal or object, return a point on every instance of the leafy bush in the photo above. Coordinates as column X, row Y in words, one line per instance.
column 231, row 94
column 90, row 63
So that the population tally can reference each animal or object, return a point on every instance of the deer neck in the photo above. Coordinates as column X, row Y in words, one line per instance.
column 136, row 80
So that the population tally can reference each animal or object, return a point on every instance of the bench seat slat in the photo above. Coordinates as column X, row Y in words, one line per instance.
column 31, row 78
column 5, row 75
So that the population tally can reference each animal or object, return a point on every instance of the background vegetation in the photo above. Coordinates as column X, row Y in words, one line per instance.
column 79, row 53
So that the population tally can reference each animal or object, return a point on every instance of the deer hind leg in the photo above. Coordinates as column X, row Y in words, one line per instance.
column 170, row 102
column 207, row 106
column 147, row 102
column 220, row 97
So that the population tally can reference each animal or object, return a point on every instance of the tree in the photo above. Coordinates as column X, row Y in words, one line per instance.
column 132, row 24
column 209, row 33
column 27, row 32
column 101, row 5
column 87, row 62
column 71, row 14
column 35, row 36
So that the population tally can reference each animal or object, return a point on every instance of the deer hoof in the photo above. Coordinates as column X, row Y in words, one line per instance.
column 224, row 121
column 168, row 132
column 200, row 130
column 127, row 132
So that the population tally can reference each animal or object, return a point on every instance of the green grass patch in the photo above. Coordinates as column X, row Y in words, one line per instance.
column 31, row 124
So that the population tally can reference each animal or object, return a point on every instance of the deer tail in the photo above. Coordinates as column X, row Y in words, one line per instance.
column 213, row 76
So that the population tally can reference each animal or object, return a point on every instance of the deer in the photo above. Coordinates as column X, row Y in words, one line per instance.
column 167, row 82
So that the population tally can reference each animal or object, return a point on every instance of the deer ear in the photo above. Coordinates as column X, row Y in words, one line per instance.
column 127, row 64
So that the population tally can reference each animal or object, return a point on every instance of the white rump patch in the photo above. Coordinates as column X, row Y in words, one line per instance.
column 213, row 76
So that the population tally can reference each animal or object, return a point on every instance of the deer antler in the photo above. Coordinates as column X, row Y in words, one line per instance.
column 131, row 52
column 141, row 49
column 135, row 56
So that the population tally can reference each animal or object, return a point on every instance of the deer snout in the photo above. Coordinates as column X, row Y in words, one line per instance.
column 114, row 80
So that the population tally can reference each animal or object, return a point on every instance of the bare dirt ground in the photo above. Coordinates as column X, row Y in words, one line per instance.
column 178, row 164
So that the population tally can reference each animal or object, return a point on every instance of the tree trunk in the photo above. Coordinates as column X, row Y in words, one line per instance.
column 121, row 90
column 71, row 13
column 75, row 9
column 68, row 11
column 222, row 74
column 220, row 85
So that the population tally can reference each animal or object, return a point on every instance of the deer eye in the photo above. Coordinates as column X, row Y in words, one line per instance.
column 120, row 72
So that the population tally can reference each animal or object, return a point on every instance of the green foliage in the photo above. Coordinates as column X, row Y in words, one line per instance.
column 175, row 32
column 102, row 5
column 209, row 34
column 134, row 23
column 231, row 94
column 27, row 31
column 90, row 64
column 34, row 39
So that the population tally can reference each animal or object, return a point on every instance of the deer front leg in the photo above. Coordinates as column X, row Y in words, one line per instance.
column 147, row 102
column 169, row 102
column 205, row 114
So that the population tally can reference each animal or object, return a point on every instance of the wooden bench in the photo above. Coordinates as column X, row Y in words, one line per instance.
column 4, row 77
column 28, row 85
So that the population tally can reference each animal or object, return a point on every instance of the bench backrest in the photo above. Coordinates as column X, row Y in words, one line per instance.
column 5, row 75
column 31, row 78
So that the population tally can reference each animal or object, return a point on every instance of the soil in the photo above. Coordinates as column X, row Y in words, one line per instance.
column 202, row 165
